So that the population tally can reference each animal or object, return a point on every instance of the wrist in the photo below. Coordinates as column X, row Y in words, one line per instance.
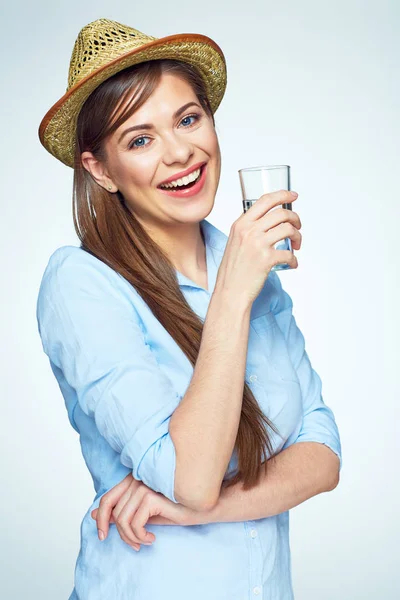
column 234, row 304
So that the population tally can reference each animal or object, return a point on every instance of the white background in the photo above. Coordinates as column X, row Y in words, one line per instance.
column 312, row 84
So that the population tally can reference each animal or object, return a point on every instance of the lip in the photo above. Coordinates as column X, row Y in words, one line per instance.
column 192, row 191
column 183, row 173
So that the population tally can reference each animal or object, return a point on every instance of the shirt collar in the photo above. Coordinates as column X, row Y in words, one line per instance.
column 215, row 241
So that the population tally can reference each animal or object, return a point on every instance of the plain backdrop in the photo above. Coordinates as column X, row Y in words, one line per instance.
column 311, row 84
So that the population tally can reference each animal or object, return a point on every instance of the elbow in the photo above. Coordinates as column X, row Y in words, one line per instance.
column 208, row 504
column 202, row 506
column 334, row 476
column 193, row 486
column 196, row 502
column 334, row 482
column 332, row 468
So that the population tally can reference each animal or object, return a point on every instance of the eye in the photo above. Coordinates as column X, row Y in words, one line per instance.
column 133, row 142
column 194, row 116
column 133, row 145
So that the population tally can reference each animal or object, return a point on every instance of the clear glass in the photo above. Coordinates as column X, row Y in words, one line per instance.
column 256, row 181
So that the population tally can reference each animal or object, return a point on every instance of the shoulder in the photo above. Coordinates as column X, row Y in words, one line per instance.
column 65, row 258
column 73, row 274
column 75, row 266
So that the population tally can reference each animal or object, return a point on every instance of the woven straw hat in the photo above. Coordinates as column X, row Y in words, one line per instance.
column 105, row 47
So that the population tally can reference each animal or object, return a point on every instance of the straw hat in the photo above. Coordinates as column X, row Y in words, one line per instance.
column 102, row 49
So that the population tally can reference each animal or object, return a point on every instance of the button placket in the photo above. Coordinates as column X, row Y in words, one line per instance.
column 257, row 387
column 253, row 533
column 256, row 560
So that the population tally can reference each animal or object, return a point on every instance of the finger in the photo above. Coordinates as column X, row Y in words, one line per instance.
column 284, row 230
column 140, row 519
column 122, row 502
column 130, row 539
column 267, row 201
column 126, row 534
column 94, row 515
column 277, row 216
column 106, row 505
column 125, row 516
column 120, row 505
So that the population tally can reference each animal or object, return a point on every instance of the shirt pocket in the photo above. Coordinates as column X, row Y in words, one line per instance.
column 273, row 346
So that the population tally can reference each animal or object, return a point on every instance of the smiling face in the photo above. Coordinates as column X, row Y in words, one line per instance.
column 139, row 160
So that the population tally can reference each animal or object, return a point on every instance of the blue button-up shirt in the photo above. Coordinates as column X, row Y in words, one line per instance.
column 121, row 376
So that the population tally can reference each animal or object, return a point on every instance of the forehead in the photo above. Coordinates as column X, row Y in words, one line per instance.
column 170, row 93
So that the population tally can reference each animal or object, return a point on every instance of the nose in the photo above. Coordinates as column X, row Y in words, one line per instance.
column 177, row 149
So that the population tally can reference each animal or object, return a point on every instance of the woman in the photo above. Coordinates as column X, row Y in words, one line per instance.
column 175, row 348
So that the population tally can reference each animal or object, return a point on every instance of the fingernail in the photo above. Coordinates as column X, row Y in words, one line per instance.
column 137, row 549
column 101, row 535
column 294, row 194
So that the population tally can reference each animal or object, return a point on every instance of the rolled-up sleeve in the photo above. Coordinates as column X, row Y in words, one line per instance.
column 91, row 331
column 319, row 423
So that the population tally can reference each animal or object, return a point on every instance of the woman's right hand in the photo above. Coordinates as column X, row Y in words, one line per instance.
column 250, row 254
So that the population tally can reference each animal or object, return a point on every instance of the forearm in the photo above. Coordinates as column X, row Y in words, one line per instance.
column 296, row 474
column 204, row 426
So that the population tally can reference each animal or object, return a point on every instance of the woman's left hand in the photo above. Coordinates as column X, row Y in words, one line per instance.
column 131, row 504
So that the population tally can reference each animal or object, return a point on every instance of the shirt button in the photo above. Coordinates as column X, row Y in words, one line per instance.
column 253, row 533
column 253, row 377
column 257, row 590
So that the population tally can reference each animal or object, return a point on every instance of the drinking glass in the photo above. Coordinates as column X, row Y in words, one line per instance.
column 256, row 181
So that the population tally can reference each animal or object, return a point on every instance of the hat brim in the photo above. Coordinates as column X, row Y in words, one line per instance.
column 57, row 128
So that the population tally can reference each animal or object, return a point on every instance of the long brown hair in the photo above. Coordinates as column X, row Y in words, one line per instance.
column 108, row 230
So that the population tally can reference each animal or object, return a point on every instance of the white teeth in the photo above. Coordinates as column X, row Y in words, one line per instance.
column 183, row 181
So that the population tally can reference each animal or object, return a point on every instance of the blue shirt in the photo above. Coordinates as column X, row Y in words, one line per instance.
column 121, row 376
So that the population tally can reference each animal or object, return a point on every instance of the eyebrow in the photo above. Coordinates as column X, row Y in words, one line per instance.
column 150, row 126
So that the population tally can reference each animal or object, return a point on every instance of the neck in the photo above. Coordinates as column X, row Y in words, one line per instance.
column 185, row 247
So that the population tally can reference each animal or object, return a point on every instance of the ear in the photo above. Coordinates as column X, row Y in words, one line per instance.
column 98, row 171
